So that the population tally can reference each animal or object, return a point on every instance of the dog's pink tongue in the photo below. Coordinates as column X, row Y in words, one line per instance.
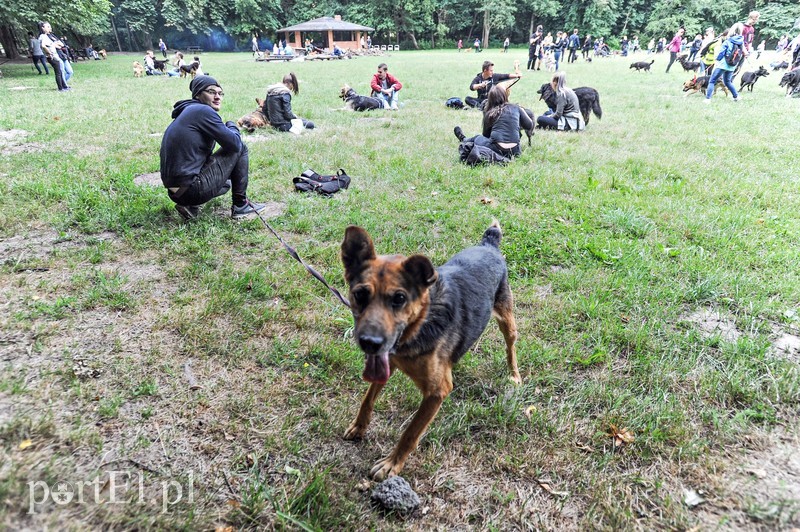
column 376, row 368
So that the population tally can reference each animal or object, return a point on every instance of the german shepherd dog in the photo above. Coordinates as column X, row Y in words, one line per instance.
column 642, row 65
column 355, row 102
column 749, row 78
column 190, row 69
column 160, row 65
column 689, row 66
column 588, row 98
column 701, row 84
column 790, row 80
column 255, row 120
column 420, row 320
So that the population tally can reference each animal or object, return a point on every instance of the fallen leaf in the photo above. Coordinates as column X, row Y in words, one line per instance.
column 691, row 498
column 291, row 471
column 24, row 444
column 233, row 503
column 228, row 437
column 583, row 447
column 621, row 436
column 624, row 318
column 221, row 528
column 545, row 485
column 486, row 200
column 529, row 411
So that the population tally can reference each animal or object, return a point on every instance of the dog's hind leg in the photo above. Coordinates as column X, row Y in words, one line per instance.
column 358, row 427
column 504, row 313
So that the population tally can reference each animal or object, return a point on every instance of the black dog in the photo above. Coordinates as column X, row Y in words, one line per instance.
column 355, row 102
column 642, row 65
column 749, row 78
column 783, row 65
column 790, row 80
column 588, row 99
column 159, row 65
column 689, row 66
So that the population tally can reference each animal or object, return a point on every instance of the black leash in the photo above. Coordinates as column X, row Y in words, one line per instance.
column 296, row 257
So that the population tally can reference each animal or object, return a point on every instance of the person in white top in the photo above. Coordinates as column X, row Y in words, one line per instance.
column 50, row 48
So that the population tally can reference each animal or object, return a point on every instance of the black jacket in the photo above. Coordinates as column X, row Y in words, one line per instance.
column 278, row 105
column 189, row 141
column 484, row 92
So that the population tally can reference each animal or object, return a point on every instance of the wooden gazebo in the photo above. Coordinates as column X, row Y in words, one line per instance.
column 345, row 34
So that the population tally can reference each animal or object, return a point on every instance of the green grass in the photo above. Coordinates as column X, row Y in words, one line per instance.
column 614, row 238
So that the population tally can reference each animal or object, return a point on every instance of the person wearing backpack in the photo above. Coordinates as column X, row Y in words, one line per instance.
column 708, row 51
column 728, row 58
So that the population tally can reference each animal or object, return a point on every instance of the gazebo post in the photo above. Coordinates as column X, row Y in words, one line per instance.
column 330, row 40
column 297, row 41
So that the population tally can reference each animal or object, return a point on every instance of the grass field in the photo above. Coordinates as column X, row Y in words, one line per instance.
column 654, row 260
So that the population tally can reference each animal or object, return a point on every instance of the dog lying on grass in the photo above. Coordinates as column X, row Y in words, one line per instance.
column 701, row 84
column 138, row 69
column 254, row 120
column 355, row 102
column 749, row 78
column 588, row 98
column 642, row 65
column 420, row 320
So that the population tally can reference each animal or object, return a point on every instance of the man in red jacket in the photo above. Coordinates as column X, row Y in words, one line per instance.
column 385, row 86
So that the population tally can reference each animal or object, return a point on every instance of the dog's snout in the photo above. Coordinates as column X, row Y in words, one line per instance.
column 370, row 344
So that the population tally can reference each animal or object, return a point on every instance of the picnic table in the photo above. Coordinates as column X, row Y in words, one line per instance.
column 194, row 50
column 268, row 58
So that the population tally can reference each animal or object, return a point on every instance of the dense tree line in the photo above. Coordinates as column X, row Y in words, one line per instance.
column 128, row 25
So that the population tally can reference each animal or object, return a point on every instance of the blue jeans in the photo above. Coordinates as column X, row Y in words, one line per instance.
column 66, row 70
column 388, row 99
column 557, row 56
column 727, row 76
column 40, row 59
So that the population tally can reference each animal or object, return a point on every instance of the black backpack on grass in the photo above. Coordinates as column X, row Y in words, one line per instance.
column 327, row 185
column 454, row 103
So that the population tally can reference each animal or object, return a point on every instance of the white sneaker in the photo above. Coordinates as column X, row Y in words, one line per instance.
column 707, row 101
column 739, row 99
column 394, row 106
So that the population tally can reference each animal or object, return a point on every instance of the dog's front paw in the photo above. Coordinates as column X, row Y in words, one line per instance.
column 355, row 431
column 384, row 469
column 515, row 378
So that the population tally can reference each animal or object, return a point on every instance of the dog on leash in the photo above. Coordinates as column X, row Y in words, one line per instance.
column 355, row 102
column 749, row 78
column 190, row 69
column 254, row 120
column 588, row 100
column 642, row 65
column 689, row 66
column 138, row 69
column 421, row 320
column 160, row 65
column 700, row 84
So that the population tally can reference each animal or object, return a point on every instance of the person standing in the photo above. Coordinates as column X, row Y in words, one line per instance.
column 369, row 42
column 674, row 47
column 723, row 69
column 587, row 46
column 162, row 47
column 254, row 43
column 35, row 49
column 477, row 45
column 191, row 171
column 573, row 44
column 558, row 47
column 460, row 45
column 505, row 45
column 385, row 86
column 50, row 48
column 635, row 44
column 624, row 43
column 708, row 52
column 534, row 48
column 748, row 31
column 697, row 43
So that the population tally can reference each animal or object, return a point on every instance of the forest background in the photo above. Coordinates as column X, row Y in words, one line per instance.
column 134, row 25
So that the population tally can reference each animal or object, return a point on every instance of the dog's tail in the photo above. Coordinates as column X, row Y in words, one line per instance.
column 493, row 235
column 596, row 109
column 653, row 61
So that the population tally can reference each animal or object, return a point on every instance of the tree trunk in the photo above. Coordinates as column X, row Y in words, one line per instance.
column 131, row 42
column 472, row 27
column 413, row 40
column 530, row 32
column 116, row 34
column 9, row 43
column 487, row 25
column 148, row 40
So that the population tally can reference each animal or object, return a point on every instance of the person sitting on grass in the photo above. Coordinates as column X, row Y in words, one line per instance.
column 385, row 87
column 567, row 116
column 192, row 172
column 502, row 122
column 483, row 82
column 278, row 104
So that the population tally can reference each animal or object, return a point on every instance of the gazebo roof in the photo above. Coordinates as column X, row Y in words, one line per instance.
column 327, row 24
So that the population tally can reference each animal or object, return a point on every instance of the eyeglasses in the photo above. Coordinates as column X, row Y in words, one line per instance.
column 212, row 92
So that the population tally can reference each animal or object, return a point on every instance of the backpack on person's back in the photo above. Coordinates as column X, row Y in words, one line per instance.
column 734, row 54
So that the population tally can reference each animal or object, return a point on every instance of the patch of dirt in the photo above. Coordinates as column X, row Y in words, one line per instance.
column 19, row 88
column 543, row 292
column 152, row 179
column 711, row 323
column 36, row 244
column 787, row 345
column 273, row 210
column 12, row 135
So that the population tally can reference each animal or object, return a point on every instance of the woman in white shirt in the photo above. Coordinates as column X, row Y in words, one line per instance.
column 50, row 48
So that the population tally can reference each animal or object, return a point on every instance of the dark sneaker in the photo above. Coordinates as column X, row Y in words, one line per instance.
column 188, row 212
column 459, row 133
column 248, row 210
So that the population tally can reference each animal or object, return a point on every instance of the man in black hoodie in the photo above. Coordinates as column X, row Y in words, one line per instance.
column 190, row 169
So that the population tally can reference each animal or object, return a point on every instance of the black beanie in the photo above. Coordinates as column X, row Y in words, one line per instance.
column 201, row 83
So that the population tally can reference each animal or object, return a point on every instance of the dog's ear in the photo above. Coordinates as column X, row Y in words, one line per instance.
column 420, row 269
column 357, row 250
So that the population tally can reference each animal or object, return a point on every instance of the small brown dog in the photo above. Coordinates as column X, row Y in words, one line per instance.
column 138, row 69
column 421, row 320
column 102, row 53
column 255, row 120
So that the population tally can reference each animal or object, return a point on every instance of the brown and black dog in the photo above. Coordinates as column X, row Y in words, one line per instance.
column 700, row 84
column 255, row 120
column 190, row 69
column 420, row 320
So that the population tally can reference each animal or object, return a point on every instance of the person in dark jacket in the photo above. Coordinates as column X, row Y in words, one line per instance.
column 190, row 169
column 278, row 104
column 502, row 122
column 484, row 82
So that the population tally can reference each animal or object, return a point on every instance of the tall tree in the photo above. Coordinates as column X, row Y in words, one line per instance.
column 497, row 14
